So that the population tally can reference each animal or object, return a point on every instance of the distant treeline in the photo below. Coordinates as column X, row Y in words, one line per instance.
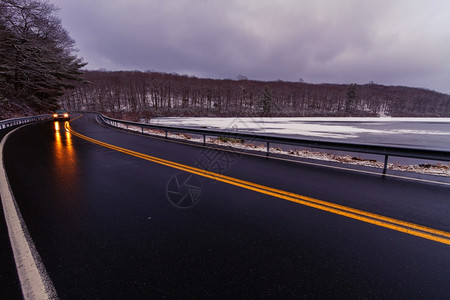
column 147, row 94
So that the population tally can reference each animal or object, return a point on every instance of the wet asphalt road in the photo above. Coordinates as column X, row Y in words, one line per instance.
column 105, row 228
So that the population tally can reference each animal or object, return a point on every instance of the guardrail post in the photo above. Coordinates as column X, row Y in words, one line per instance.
column 142, row 129
column 166, row 133
column 204, row 139
column 268, row 149
column 385, row 164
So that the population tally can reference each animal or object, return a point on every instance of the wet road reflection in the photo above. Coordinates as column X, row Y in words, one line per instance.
column 65, row 161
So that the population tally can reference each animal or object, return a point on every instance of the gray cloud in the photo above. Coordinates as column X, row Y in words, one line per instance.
column 403, row 42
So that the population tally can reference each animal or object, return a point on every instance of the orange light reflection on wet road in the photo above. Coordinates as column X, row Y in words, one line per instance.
column 65, row 162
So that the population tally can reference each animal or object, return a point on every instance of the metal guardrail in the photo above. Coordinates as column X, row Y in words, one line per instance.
column 20, row 121
column 386, row 151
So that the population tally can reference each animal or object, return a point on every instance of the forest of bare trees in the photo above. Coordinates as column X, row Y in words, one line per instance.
column 136, row 95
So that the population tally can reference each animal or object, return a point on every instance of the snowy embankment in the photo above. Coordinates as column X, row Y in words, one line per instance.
column 440, row 169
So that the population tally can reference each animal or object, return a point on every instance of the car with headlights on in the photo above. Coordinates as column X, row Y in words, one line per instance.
column 61, row 115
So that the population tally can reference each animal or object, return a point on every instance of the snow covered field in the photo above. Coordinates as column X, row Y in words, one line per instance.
column 432, row 133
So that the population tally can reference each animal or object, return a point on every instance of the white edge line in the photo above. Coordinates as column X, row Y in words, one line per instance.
column 34, row 279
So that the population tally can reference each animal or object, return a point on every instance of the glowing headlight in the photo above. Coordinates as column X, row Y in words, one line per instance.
column 66, row 115
column 55, row 115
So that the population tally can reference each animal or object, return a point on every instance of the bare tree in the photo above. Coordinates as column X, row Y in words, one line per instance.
column 36, row 52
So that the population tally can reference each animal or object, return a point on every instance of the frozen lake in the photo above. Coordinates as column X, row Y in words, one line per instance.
column 427, row 133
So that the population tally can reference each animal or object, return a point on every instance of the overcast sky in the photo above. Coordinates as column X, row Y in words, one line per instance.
column 392, row 42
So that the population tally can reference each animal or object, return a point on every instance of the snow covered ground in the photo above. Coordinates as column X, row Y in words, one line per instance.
column 431, row 133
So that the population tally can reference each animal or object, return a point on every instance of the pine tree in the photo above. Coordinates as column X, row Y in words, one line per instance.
column 351, row 98
column 266, row 101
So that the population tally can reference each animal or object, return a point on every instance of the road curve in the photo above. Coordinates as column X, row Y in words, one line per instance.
column 108, row 224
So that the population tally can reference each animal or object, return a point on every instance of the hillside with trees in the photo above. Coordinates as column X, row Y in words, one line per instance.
column 136, row 95
column 37, row 64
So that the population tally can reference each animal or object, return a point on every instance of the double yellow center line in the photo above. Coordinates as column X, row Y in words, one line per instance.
column 379, row 220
